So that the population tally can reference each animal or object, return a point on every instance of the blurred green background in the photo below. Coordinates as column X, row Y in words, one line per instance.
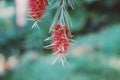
column 94, row 56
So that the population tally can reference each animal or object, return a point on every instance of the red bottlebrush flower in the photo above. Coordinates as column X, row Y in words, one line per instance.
column 60, row 32
column 61, row 41
column 37, row 9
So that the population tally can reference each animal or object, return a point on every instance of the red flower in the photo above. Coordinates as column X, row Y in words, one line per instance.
column 61, row 39
column 37, row 8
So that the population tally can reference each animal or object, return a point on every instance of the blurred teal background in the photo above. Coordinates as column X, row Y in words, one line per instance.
column 94, row 56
